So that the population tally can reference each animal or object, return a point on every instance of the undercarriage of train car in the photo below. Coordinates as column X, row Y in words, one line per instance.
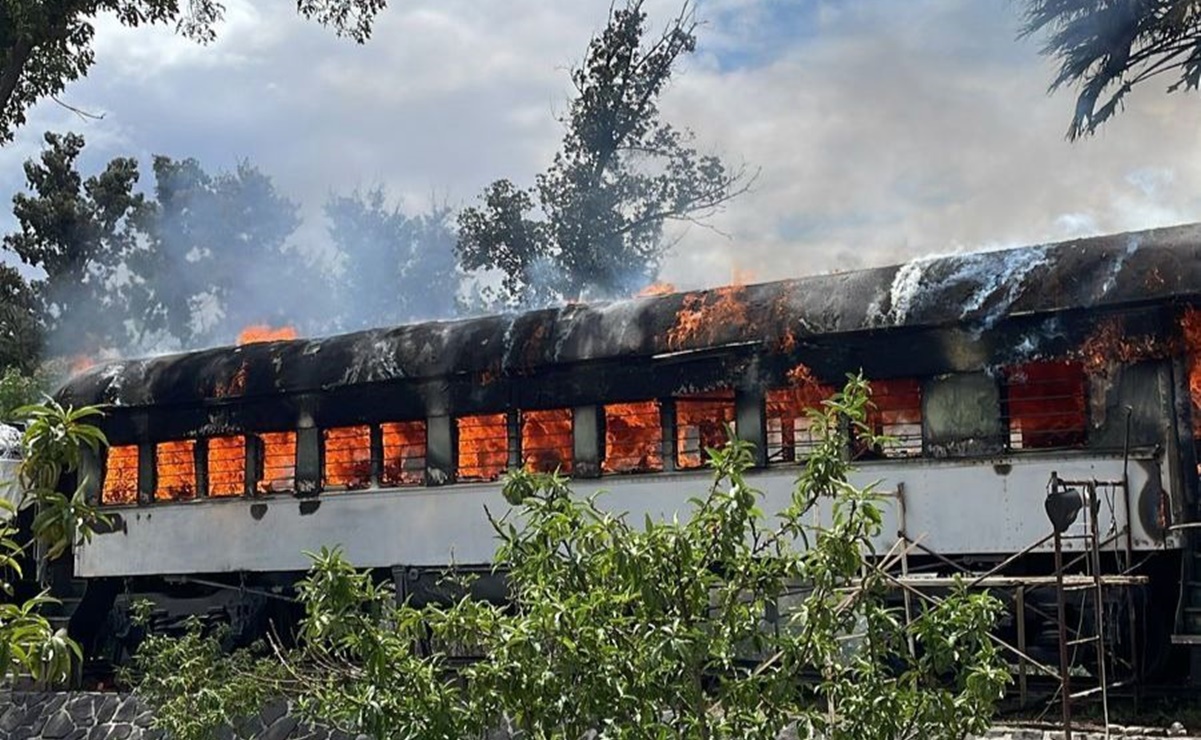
column 227, row 465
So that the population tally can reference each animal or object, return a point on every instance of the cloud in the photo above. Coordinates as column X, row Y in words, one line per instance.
column 881, row 130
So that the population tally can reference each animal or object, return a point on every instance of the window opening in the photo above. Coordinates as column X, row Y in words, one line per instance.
column 896, row 412
column 279, row 462
column 404, row 453
column 1047, row 404
column 347, row 458
column 226, row 466
column 633, row 438
column 547, row 441
column 175, row 470
column 483, row 447
column 121, row 476
column 700, row 424
column 791, row 434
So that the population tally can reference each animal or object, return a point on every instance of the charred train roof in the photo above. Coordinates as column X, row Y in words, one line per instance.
column 975, row 289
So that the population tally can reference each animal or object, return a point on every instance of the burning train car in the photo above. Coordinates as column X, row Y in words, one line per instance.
column 993, row 372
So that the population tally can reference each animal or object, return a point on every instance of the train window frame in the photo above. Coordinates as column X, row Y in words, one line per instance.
column 107, row 471
column 948, row 401
column 566, row 463
column 651, row 452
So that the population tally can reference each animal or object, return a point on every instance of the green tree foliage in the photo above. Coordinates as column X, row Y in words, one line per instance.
column 219, row 256
column 593, row 222
column 203, row 257
column 393, row 267
column 46, row 44
column 632, row 629
column 79, row 232
column 20, row 328
column 52, row 448
column 1107, row 48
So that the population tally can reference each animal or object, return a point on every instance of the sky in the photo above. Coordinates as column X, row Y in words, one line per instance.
column 879, row 130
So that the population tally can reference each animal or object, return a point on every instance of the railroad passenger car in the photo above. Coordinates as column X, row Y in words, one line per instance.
column 993, row 371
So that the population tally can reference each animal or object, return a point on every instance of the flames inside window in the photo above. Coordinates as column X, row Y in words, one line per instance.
column 791, row 433
column 347, row 458
column 546, row 440
column 633, row 438
column 226, row 466
column 279, row 462
column 175, row 470
column 483, row 447
column 404, row 453
column 121, row 476
column 701, row 421
column 1047, row 405
column 896, row 413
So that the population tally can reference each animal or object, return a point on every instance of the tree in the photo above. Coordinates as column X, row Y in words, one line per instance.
column 46, row 44
column 593, row 223
column 637, row 630
column 82, row 233
column 220, row 257
column 52, row 450
column 20, row 330
column 394, row 268
column 1108, row 48
column 205, row 256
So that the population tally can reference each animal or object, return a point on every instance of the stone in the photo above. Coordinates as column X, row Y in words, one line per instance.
column 58, row 726
column 107, row 708
column 273, row 712
column 280, row 729
column 127, row 711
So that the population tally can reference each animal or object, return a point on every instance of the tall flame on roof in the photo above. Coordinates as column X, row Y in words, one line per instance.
column 265, row 333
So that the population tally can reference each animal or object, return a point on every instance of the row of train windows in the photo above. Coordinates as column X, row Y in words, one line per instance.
column 1045, row 408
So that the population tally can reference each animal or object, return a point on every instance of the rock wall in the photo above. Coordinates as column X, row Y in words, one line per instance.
column 95, row 716
column 27, row 715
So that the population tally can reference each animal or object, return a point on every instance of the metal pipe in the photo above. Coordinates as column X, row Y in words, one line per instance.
column 1064, row 674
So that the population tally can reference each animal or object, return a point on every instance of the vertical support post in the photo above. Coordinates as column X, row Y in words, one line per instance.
column 667, row 422
column 587, row 441
column 1019, row 608
column 1065, row 677
column 377, row 455
column 147, row 472
column 254, row 464
column 1094, row 551
column 903, row 536
column 513, row 432
column 309, row 454
column 91, row 473
column 200, row 462
column 750, row 422
column 440, row 448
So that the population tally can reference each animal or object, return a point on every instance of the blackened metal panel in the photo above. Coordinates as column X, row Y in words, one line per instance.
column 308, row 461
column 588, row 441
column 961, row 415
column 750, row 420
column 147, row 472
column 440, row 462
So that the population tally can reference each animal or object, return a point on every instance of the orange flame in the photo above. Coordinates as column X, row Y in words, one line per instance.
column 227, row 466
column 263, row 333
column 701, row 421
column 1191, row 327
column 348, row 458
column 1047, row 404
column 483, row 446
column 404, row 453
column 655, row 289
column 633, row 438
column 702, row 315
column 546, row 440
column 279, row 462
column 121, row 475
column 80, row 363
